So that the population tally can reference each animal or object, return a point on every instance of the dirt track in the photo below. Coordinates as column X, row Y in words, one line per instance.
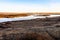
column 36, row 29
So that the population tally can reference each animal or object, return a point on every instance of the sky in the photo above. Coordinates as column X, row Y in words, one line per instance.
column 29, row 5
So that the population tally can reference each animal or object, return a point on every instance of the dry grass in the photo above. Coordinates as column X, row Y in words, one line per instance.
column 11, row 15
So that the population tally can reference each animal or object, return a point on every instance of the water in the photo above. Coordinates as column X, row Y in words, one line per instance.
column 25, row 18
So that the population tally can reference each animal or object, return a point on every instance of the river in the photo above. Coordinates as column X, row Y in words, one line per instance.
column 25, row 18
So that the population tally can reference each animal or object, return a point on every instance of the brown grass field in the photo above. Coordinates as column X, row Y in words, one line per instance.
column 12, row 14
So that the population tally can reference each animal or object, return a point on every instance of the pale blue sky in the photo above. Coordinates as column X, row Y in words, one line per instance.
column 30, row 5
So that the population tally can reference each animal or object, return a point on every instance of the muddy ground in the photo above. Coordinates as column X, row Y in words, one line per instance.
column 35, row 29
